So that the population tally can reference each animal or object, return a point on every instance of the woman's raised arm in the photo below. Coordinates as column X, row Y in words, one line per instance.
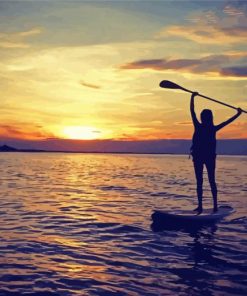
column 192, row 109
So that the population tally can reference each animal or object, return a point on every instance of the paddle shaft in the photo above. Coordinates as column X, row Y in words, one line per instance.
column 205, row 97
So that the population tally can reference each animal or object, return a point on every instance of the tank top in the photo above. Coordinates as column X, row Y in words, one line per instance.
column 204, row 142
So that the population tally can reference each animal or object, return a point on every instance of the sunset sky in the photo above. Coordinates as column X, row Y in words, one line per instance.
column 91, row 69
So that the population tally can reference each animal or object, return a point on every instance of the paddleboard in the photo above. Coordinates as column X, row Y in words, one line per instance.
column 191, row 217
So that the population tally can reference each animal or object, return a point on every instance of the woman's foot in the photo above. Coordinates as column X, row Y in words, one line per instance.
column 198, row 210
column 215, row 209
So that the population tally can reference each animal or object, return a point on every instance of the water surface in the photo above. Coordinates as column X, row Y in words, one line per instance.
column 79, row 224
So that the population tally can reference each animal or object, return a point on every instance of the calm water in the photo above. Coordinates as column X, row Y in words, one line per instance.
column 79, row 224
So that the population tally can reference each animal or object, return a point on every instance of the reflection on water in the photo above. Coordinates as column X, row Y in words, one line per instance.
column 76, row 224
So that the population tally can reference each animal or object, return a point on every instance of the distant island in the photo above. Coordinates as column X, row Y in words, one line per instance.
column 6, row 148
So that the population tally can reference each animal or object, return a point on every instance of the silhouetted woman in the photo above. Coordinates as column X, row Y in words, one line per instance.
column 203, row 149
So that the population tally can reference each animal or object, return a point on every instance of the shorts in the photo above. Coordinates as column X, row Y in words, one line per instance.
column 204, row 159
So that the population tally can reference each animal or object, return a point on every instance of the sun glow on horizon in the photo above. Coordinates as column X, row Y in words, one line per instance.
column 81, row 133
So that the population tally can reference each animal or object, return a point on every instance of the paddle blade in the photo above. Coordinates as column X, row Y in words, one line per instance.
column 172, row 85
column 169, row 84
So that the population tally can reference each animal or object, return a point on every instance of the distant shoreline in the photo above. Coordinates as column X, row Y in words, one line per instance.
column 96, row 152
column 156, row 147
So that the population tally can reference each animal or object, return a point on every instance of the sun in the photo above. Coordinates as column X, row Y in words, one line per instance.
column 81, row 133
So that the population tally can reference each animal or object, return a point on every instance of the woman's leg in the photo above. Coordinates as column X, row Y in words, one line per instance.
column 210, row 165
column 198, row 166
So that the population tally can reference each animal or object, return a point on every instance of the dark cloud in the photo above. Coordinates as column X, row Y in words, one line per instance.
column 237, row 31
column 234, row 71
column 210, row 64
column 184, row 123
column 90, row 85
column 182, row 63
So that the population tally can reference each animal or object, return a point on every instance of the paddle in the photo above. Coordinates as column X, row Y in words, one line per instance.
column 172, row 85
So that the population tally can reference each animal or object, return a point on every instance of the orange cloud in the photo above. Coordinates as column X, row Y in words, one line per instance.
column 12, row 131
column 207, row 35
column 235, row 130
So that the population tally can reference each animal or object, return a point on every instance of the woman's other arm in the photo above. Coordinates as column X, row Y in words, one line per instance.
column 228, row 121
